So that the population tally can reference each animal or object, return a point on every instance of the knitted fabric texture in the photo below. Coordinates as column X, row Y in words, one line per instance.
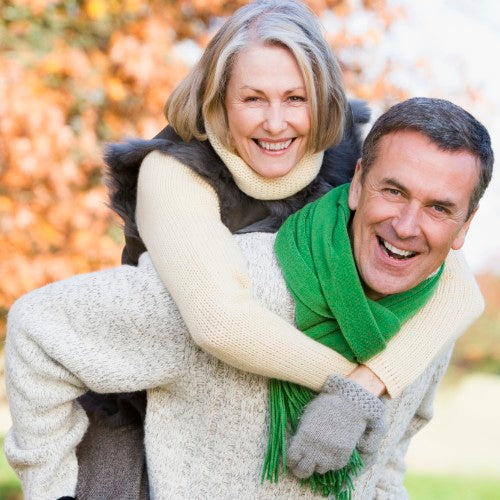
column 314, row 251
column 352, row 391
column 332, row 425
column 262, row 188
column 240, row 334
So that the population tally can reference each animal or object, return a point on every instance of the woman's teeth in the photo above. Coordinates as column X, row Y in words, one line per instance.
column 274, row 146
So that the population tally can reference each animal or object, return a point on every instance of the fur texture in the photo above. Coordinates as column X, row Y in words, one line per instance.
column 239, row 212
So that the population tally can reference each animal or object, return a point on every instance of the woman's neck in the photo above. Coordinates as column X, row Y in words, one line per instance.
column 264, row 188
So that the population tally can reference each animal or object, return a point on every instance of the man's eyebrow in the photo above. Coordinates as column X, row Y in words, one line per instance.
column 444, row 203
column 394, row 183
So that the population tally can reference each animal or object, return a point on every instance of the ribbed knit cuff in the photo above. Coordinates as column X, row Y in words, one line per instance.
column 372, row 407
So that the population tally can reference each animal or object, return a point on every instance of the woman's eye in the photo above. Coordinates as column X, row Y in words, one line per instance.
column 251, row 99
column 297, row 98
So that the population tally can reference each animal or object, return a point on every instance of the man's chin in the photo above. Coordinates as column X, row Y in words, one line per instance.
column 390, row 286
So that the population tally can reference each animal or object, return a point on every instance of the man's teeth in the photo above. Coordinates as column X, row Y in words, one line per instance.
column 274, row 146
column 397, row 251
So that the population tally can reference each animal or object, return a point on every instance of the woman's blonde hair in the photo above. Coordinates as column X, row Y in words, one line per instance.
column 289, row 24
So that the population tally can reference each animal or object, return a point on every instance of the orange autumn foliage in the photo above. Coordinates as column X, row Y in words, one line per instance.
column 74, row 75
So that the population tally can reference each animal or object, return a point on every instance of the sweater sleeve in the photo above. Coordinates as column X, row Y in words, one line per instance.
column 456, row 304
column 199, row 261
column 111, row 331
column 390, row 483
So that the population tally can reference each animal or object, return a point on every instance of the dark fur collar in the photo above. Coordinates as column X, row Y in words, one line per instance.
column 239, row 212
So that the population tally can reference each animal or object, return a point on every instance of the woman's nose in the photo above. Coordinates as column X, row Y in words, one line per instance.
column 275, row 119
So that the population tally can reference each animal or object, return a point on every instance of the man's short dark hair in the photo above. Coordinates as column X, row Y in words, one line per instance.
column 447, row 125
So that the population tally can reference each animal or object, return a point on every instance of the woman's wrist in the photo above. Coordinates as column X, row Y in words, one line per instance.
column 367, row 379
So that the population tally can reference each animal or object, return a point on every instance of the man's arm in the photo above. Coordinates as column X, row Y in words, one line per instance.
column 390, row 481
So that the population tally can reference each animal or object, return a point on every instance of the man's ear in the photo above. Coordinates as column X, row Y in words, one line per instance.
column 355, row 187
column 460, row 237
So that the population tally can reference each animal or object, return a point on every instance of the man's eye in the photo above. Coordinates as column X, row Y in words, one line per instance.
column 393, row 192
column 440, row 209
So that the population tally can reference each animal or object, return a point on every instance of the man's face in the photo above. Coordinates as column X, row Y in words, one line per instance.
column 410, row 210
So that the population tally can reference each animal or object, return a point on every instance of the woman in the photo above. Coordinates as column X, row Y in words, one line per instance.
column 268, row 96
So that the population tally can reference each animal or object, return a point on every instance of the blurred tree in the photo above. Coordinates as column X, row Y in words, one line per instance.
column 77, row 73
column 479, row 348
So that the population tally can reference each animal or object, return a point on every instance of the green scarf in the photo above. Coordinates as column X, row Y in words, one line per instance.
column 314, row 251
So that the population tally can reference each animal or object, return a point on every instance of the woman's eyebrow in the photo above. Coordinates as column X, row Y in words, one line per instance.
column 259, row 91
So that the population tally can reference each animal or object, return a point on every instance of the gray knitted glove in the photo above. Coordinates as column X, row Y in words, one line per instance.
column 332, row 425
column 370, row 441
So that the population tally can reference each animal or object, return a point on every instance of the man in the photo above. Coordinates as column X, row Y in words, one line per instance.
column 206, row 421
column 425, row 166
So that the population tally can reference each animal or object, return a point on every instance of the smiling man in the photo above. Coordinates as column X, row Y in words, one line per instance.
column 412, row 205
column 425, row 165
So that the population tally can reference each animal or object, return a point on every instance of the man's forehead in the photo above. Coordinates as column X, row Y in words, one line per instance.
column 411, row 160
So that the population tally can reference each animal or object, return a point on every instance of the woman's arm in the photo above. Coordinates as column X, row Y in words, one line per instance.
column 456, row 304
column 205, row 272
column 179, row 221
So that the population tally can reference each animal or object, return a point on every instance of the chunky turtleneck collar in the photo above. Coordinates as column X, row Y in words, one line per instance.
column 262, row 188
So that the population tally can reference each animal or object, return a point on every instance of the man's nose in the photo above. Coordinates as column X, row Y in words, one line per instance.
column 406, row 223
column 275, row 119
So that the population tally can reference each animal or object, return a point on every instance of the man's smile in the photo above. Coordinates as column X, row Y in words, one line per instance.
column 394, row 252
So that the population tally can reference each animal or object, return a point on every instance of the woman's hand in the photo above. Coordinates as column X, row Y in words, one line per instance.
column 341, row 416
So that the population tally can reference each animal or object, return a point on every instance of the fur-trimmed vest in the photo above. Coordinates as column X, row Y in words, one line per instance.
column 239, row 212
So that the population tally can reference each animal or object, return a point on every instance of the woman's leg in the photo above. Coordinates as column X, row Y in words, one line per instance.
column 111, row 456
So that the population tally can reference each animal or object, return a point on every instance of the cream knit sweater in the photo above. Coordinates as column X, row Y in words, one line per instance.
column 203, row 269
column 119, row 330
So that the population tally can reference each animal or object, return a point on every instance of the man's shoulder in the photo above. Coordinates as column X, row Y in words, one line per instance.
column 254, row 245
column 258, row 250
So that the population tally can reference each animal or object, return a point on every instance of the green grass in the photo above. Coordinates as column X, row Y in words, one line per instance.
column 426, row 487
column 10, row 489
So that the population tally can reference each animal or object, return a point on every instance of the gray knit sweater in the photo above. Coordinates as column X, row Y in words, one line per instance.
column 206, row 424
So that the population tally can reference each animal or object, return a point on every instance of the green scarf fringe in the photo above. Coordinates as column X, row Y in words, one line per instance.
column 286, row 404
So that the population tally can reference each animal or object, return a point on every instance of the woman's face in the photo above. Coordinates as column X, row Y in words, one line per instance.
column 268, row 110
